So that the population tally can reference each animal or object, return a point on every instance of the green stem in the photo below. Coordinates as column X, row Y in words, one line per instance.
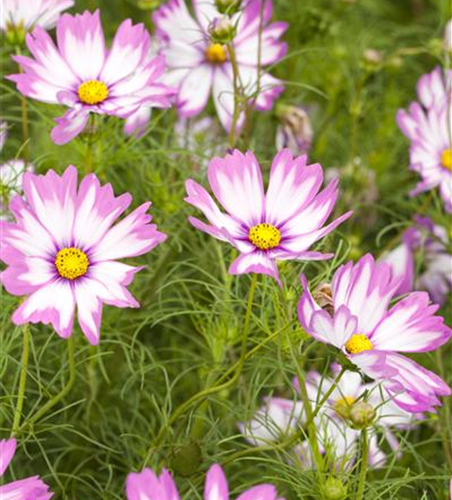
column 364, row 460
column 89, row 157
column 22, row 379
column 66, row 389
column 216, row 388
column 236, row 113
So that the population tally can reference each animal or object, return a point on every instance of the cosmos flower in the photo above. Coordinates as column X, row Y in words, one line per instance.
column 281, row 224
column 18, row 14
column 371, row 334
column 200, row 67
column 11, row 174
column 427, row 124
column 337, row 436
column 146, row 485
column 294, row 131
column 30, row 488
column 82, row 74
column 63, row 250
column 430, row 242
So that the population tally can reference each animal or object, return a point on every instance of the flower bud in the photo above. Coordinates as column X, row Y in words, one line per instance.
column 448, row 37
column 372, row 56
column 221, row 30
column 323, row 295
column 148, row 4
column 362, row 415
column 228, row 7
column 295, row 131
column 15, row 34
column 186, row 459
column 334, row 489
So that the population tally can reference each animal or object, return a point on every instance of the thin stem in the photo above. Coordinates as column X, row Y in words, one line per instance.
column 66, row 389
column 24, row 120
column 22, row 379
column 364, row 460
column 235, row 116
column 215, row 388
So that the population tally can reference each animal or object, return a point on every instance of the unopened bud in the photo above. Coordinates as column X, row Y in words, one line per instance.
column 334, row 489
column 186, row 459
column 221, row 30
column 228, row 7
column 149, row 4
column 362, row 415
column 448, row 37
column 295, row 131
column 15, row 34
column 372, row 56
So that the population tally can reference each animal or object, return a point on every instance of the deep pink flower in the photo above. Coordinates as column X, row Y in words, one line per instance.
column 148, row 485
column 83, row 75
column 427, row 124
column 63, row 250
column 30, row 488
column 27, row 15
column 429, row 241
column 281, row 224
column 371, row 334
column 199, row 67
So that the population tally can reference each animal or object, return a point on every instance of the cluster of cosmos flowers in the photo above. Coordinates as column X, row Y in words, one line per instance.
column 63, row 241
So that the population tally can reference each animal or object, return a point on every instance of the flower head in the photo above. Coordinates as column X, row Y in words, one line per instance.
column 430, row 242
column 371, row 334
column 18, row 14
column 281, row 224
column 295, row 131
column 427, row 124
column 200, row 66
column 63, row 250
column 147, row 484
column 82, row 74
column 30, row 488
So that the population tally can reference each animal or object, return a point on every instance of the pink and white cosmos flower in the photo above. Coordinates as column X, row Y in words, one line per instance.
column 200, row 68
column 82, row 74
column 281, row 224
column 371, row 334
column 27, row 15
column 431, row 242
column 428, row 124
column 62, row 252
column 146, row 485
column 30, row 488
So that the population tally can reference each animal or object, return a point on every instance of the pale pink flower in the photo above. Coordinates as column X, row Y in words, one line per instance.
column 63, row 251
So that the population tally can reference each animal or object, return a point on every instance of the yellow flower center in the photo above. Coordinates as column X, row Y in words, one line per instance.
column 343, row 406
column 446, row 159
column 264, row 236
column 358, row 343
column 71, row 263
column 216, row 53
column 92, row 92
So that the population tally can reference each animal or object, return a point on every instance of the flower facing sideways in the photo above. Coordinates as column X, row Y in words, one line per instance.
column 198, row 66
column 146, row 485
column 18, row 14
column 281, row 224
column 371, row 334
column 63, row 250
column 30, row 488
column 81, row 74
column 427, row 124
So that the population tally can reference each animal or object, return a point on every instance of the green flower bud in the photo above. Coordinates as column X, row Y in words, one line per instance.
column 186, row 459
column 334, row 489
column 221, row 30
column 362, row 415
column 228, row 7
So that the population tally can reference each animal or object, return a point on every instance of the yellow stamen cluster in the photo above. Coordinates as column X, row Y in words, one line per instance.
column 71, row 263
column 264, row 236
column 358, row 343
column 216, row 53
column 446, row 159
column 343, row 406
column 92, row 92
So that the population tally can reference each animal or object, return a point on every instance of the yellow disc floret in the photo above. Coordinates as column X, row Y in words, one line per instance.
column 264, row 236
column 92, row 92
column 71, row 263
column 358, row 343
column 343, row 406
column 446, row 159
column 216, row 53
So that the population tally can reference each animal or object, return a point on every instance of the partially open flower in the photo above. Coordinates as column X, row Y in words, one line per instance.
column 295, row 131
column 221, row 30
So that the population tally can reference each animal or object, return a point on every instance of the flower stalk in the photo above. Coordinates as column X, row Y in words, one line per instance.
column 22, row 379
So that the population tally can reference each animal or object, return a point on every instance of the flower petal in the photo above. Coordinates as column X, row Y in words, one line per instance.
column 7, row 450
column 216, row 486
